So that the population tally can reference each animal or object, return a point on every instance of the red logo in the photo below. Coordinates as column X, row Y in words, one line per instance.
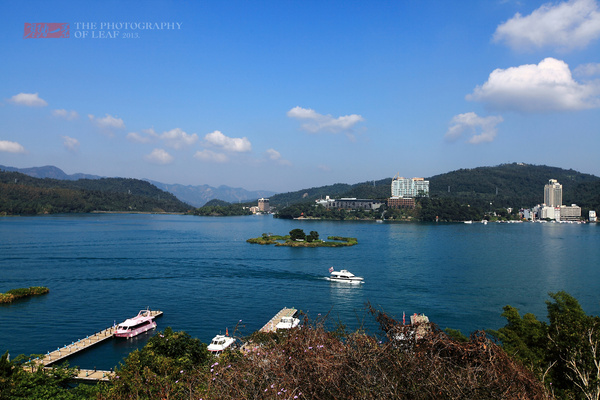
column 43, row 30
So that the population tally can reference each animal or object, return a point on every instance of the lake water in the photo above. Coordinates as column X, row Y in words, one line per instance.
column 104, row 268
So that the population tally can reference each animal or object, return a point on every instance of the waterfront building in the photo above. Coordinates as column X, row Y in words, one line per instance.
column 401, row 202
column 263, row 205
column 413, row 187
column 592, row 216
column 349, row 203
column 570, row 213
column 527, row 214
column 551, row 213
column 553, row 193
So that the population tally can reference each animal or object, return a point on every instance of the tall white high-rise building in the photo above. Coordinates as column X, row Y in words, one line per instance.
column 553, row 193
column 413, row 187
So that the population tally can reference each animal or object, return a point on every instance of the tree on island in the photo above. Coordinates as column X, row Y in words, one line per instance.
column 297, row 234
column 312, row 236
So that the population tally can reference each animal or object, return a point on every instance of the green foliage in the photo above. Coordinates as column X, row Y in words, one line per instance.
column 22, row 194
column 518, row 185
column 40, row 383
column 334, row 241
column 15, row 294
column 297, row 235
column 524, row 339
column 564, row 353
column 217, row 202
column 456, row 334
column 165, row 365
column 448, row 209
column 219, row 208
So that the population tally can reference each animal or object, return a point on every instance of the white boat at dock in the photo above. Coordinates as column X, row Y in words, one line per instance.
column 287, row 323
column 219, row 343
column 141, row 323
column 344, row 276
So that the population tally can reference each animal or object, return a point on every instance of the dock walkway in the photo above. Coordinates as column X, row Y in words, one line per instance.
column 82, row 344
column 271, row 325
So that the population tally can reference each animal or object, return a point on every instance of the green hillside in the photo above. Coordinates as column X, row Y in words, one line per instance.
column 22, row 194
column 515, row 185
column 508, row 185
column 365, row 190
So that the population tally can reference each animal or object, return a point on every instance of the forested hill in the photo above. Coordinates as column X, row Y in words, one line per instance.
column 365, row 190
column 22, row 194
column 517, row 184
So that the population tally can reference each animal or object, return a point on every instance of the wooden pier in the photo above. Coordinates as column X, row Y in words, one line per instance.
column 82, row 344
column 271, row 325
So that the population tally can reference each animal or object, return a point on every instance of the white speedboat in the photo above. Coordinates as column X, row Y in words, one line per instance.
column 131, row 327
column 344, row 276
column 287, row 323
column 220, row 343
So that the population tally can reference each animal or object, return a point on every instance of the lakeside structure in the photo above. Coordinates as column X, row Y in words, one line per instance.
column 404, row 191
column 263, row 207
column 552, row 208
column 349, row 203
column 413, row 187
column 403, row 194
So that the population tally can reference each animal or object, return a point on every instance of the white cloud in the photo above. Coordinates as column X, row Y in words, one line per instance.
column 586, row 70
column 481, row 129
column 147, row 136
column 318, row 122
column 159, row 156
column 28, row 99
column 211, row 156
column 547, row 86
column 274, row 155
column 178, row 139
column 70, row 143
column 108, row 122
column 238, row 145
column 565, row 26
column 68, row 115
column 11, row 147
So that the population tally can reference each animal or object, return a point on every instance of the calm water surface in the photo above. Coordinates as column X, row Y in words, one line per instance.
column 200, row 271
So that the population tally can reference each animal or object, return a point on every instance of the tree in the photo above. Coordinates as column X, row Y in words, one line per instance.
column 297, row 234
column 312, row 236
column 574, row 346
column 565, row 354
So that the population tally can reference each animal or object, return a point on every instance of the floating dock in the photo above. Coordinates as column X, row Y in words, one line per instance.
column 83, row 344
column 271, row 325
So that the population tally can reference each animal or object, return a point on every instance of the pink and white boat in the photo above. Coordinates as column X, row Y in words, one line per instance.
column 131, row 327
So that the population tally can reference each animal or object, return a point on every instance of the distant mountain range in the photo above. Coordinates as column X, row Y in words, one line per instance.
column 196, row 196
column 49, row 171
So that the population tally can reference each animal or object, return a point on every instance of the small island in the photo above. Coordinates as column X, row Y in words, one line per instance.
column 15, row 294
column 297, row 238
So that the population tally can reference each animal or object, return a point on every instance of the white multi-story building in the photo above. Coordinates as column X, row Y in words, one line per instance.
column 349, row 203
column 413, row 187
column 553, row 193
column 592, row 216
column 546, row 212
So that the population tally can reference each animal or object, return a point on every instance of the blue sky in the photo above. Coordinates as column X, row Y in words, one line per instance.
column 284, row 95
